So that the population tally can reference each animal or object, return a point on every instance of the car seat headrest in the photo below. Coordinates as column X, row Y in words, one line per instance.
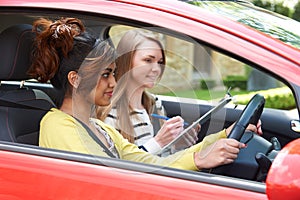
column 16, row 44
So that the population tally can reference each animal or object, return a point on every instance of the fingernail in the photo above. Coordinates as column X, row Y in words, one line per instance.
column 242, row 145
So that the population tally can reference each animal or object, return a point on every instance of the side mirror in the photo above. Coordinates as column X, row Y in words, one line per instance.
column 284, row 175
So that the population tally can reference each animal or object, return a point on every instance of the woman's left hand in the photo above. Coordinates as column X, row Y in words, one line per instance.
column 251, row 127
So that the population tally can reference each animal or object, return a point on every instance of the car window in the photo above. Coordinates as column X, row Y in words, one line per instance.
column 277, row 26
column 200, row 72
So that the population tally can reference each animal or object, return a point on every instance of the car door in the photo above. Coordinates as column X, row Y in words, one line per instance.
column 198, row 53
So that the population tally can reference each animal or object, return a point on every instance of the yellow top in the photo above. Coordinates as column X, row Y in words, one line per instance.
column 61, row 131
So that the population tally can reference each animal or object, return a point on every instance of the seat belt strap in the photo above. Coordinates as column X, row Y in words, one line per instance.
column 92, row 134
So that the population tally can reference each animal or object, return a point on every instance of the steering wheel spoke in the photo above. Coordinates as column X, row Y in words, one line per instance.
column 250, row 114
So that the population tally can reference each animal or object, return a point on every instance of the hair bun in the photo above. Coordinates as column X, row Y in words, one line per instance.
column 73, row 29
column 53, row 42
column 61, row 29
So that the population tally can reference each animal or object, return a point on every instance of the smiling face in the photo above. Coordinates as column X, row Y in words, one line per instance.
column 147, row 64
column 102, row 93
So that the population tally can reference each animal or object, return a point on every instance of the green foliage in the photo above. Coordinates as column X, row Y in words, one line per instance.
column 263, row 4
column 281, row 9
column 239, row 82
column 275, row 7
column 296, row 14
column 207, row 84
column 280, row 98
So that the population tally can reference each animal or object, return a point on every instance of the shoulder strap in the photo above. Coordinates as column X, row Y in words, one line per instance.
column 91, row 133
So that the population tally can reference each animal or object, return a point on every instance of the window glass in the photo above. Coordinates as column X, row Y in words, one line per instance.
column 199, row 72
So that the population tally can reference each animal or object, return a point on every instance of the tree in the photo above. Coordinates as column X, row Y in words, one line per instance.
column 281, row 9
column 296, row 14
column 276, row 7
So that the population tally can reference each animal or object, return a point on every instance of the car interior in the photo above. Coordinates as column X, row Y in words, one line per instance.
column 24, row 104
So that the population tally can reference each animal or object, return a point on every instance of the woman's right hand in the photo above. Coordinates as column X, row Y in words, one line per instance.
column 223, row 151
column 169, row 130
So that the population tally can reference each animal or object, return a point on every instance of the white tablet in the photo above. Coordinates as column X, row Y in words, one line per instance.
column 201, row 120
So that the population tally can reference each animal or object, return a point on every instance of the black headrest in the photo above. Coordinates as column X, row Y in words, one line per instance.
column 15, row 47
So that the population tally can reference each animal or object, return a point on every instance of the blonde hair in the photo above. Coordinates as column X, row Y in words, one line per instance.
column 126, row 49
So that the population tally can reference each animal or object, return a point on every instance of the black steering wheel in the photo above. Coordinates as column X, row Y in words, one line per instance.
column 250, row 115
column 246, row 166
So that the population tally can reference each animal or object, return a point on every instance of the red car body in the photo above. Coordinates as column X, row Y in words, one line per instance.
column 33, row 175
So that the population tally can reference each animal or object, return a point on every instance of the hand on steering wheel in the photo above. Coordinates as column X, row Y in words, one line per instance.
column 223, row 151
column 249, row 120
column 251, row 127
column 250, row 115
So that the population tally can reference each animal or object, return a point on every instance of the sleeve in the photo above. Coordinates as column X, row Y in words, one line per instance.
column 181, row 160
column 65, row 133
column 152, row 146
column 208, row 140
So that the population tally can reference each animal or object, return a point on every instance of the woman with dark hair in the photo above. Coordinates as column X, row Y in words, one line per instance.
column 83, row 69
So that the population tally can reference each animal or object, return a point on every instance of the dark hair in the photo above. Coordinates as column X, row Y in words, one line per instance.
column 61, row 47
column 96, row 61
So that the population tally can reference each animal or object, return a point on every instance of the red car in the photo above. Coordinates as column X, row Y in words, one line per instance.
column 207, row 43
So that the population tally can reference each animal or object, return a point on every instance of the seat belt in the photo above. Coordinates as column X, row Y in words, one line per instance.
column 92, row 134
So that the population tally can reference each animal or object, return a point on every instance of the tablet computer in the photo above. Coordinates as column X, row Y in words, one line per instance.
column 201, row 120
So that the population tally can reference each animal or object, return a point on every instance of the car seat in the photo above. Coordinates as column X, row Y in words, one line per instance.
column 21, row 108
